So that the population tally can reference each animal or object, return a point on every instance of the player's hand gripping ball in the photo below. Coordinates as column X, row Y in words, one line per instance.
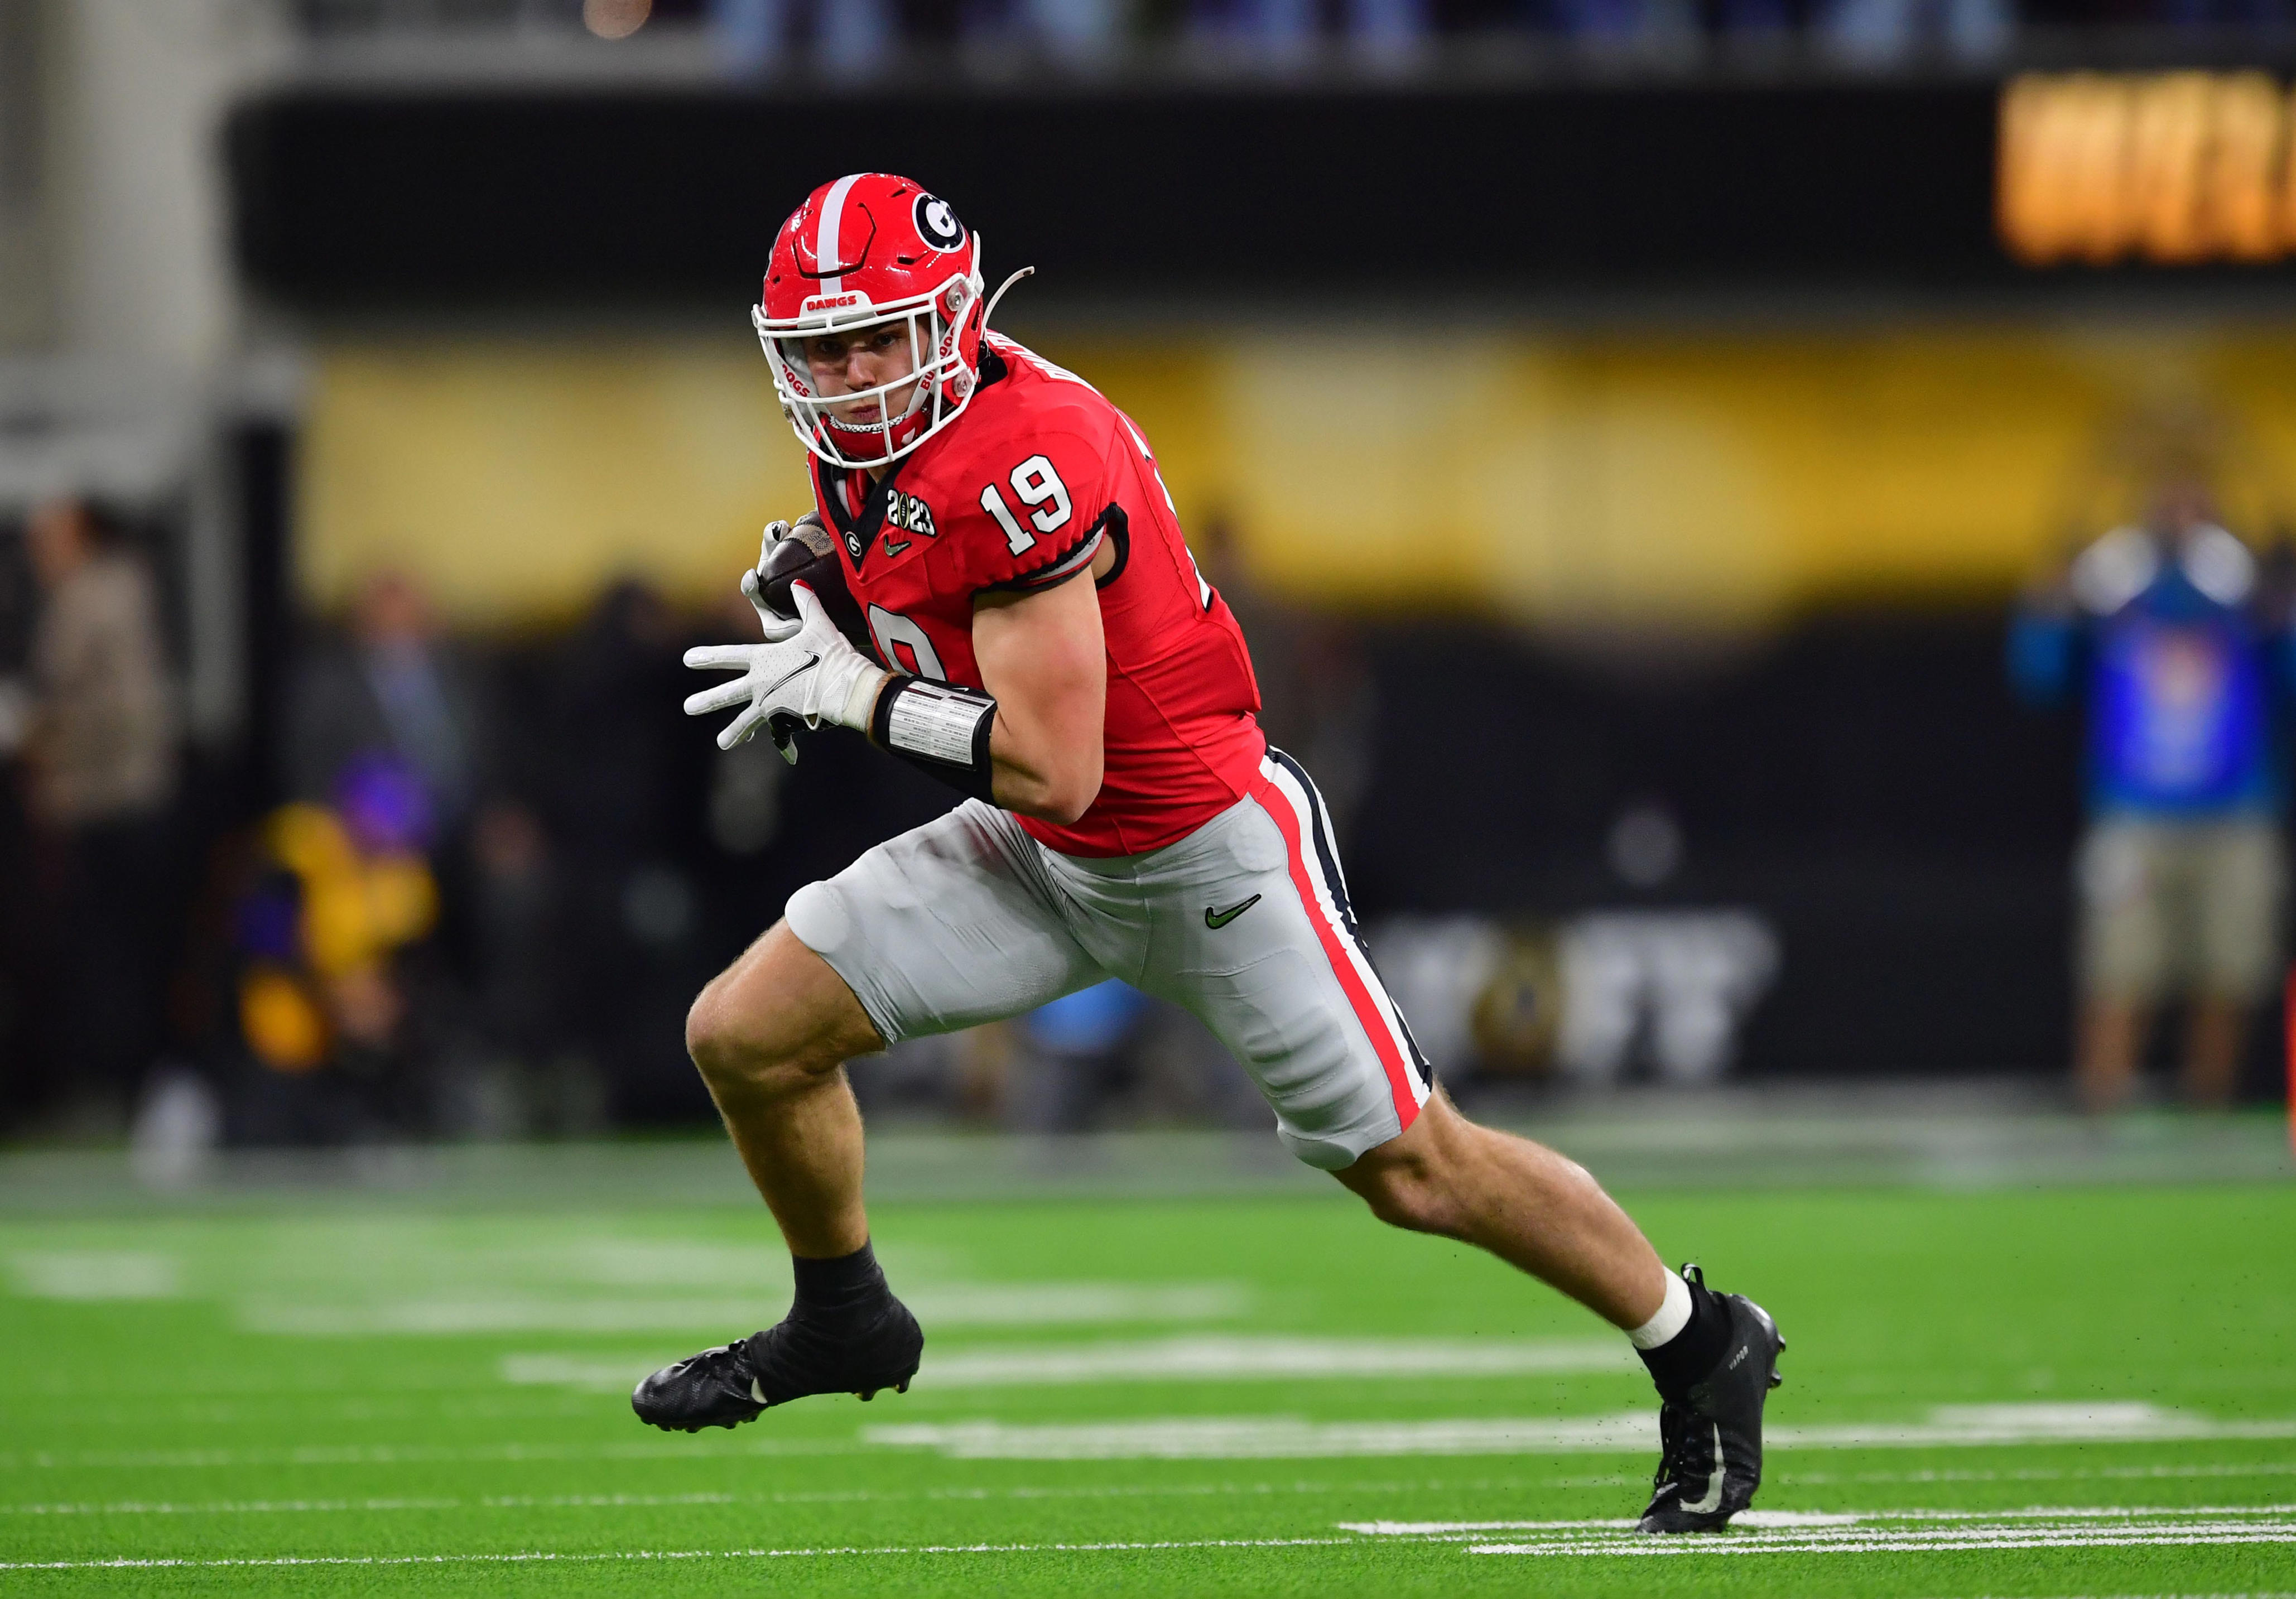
column 808, row 670
column 804, row 551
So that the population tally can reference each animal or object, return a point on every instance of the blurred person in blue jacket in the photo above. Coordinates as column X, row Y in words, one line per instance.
column 2168, row 633
column 1082, row 1048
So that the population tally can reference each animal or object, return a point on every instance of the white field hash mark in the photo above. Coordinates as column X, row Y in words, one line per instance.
column 1186, row 1359
column 1274, row 1437
column 1259, row 1438
column 161, row 1507
column 946, row 1305
column 1875, row 1532
column 1772, row 1533
column 546, row 1556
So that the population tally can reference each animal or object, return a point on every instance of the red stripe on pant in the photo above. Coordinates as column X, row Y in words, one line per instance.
column 1272, row 801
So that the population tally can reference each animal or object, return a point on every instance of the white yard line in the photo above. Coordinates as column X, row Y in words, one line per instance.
column 1022, row 1494
column 224, row 1507
column 943, row 1306
column 536, row 1556
column 2256, row 1468
column 359, row 1454
column 1188, row 1359
column 1883, row 1532
column 1267, row 1438
column 2085, row 1538
column 1847, row 1532
column 1185, row 1490
column 1796, row 1521
column 95, row 1274
column 1248, row 1438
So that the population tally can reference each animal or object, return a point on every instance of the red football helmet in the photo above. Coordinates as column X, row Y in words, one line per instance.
column 867, row 250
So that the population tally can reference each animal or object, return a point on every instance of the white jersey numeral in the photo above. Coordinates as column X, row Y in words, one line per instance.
column 1017, row 538
column 1039, row 485
column 893, row 631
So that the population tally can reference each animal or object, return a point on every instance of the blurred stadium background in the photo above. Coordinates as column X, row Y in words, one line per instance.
column 1662, row 453
column 1696, row 382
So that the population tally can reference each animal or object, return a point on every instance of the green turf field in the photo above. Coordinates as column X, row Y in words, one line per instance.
column 2067, row 1392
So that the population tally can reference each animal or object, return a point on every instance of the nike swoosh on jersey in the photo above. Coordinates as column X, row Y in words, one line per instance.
column 1216, row 920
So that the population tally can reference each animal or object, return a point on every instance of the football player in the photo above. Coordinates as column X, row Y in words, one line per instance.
column 1028, row 625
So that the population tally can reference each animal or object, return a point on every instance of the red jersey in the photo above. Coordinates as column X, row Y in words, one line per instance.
column 1020, row 493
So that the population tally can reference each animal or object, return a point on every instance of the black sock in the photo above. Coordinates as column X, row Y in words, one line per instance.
column 844, row 1289
column 1692, row 1354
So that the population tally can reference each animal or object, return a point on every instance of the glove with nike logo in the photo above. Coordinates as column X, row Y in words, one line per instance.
column 804, row 672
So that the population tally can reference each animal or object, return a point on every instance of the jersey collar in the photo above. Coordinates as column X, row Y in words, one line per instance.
column 857, row 532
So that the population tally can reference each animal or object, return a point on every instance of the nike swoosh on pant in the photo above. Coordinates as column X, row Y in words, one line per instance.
column 1216, row 921
column 1712, row 1502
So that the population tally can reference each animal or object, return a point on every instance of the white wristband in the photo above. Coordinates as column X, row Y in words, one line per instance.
column 861, row 698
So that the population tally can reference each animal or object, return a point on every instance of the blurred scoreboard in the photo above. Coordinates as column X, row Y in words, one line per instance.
column 2172, row 168
column 570, row 202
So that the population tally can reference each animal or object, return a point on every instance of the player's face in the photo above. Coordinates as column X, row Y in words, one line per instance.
column 857, row 362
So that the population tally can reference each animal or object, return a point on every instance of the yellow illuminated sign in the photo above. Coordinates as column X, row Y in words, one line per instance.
column 2169, row 166
column 1621, row 478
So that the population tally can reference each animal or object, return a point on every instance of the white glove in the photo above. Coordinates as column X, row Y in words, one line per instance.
column 804, row 672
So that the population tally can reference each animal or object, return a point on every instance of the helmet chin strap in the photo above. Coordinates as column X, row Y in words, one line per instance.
column 1007, row 283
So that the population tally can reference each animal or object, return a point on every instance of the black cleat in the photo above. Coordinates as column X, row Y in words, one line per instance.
column 1711, row 1448
column 735, row 1382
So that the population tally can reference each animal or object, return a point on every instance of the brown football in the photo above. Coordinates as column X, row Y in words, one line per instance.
column 809, row 553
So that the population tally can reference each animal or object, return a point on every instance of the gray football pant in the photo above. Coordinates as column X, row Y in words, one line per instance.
column 1244, row 923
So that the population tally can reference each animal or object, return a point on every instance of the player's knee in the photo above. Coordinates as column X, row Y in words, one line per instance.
column 735, row 1048
column 1411, row 1194
column 712, row 1037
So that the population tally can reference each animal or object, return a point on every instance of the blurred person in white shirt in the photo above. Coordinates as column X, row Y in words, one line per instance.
column 102, row 777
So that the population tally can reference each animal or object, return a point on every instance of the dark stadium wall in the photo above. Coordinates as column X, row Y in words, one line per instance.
column 1853, row 770
column 496, row 199
column 501, row 199
column 1863, row 780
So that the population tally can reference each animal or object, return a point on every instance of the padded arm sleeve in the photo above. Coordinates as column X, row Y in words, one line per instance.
column 940, row 730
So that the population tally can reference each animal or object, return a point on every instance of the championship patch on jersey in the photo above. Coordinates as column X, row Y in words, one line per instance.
column 906, row 513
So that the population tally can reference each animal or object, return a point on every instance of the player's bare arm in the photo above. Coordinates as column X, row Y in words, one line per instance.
column 1043, row 662
column 1123, row 813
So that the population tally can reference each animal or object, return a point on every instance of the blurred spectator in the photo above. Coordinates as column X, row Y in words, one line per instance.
column 325, row 1003
column 1285, row 32
column 850, row 38
column 860, row 38
column 2166, row 629
column 617, row 796
column 391, row 686
column 102, row 772
column 1080, row 32
column 1624, row 22
column 1316, row 698
column 1890, row 33
column 489, row 1010
column 2226, row 14
column 1083, row 1049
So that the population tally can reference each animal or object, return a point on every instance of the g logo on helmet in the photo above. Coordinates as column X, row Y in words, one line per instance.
column 936, row 225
